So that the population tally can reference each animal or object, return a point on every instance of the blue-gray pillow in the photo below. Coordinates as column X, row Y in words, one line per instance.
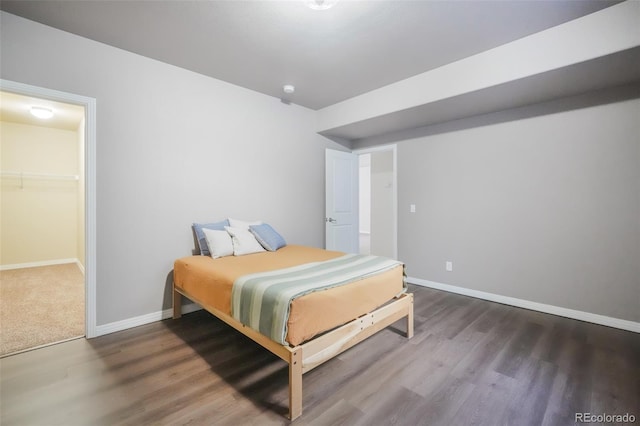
column 202, row 241
column 267, row 236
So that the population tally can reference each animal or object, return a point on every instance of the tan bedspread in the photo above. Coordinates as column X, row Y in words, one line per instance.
column 210, row 281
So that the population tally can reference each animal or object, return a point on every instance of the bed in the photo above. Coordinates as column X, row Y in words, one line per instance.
column 319, row 324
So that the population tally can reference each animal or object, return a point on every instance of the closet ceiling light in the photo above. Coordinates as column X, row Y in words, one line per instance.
column 41, row 112
column 321, row 4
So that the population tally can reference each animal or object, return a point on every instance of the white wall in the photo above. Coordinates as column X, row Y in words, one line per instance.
column 39, row 216
column 173, row 147
column 364, row 193
column 382, row 205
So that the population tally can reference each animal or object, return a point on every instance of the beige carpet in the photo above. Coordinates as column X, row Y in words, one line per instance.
column 39, row 306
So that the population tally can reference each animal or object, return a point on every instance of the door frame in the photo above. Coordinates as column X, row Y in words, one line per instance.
column 89, row 105
column 394, row 149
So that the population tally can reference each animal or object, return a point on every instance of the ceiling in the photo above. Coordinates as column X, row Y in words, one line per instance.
column 15, row 108
column 329, row 56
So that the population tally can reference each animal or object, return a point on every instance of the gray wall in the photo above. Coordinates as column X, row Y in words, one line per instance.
column 173, row 147
column 544, row 208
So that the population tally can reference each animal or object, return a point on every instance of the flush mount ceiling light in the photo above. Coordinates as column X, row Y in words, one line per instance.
column 321, row 4
column 41, row 112
column 289, row 88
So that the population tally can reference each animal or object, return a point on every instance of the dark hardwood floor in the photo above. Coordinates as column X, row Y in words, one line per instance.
column 470, row 362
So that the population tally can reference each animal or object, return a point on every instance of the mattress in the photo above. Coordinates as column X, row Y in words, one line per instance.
column 210, row 281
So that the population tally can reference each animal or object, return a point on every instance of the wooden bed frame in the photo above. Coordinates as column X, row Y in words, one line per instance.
column 309, row 355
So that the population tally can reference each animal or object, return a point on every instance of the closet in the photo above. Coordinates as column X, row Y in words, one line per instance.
column 41, row 223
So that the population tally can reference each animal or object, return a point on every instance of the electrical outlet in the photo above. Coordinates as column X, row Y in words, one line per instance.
column 448, row 266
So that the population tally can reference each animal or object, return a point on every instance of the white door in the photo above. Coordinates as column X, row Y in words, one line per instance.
column 341, row 211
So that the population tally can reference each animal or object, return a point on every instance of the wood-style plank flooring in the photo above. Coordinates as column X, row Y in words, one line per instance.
column 470, row 362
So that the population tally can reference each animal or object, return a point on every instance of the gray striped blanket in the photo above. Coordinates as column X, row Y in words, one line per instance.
column 261, row 301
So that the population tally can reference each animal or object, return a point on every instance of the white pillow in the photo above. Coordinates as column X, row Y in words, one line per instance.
column 244, row 242
column 243, row 224
column 219, row 242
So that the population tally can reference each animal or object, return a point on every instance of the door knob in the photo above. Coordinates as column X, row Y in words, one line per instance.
column 330, row 219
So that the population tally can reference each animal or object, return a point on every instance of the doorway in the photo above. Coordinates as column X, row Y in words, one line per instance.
column 48, row 217
column 378, row 201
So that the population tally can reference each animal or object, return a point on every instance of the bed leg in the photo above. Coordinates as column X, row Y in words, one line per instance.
column 295, row 384
column 410, row 319
column 177, row 304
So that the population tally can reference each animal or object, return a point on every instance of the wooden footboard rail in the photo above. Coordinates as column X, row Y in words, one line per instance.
column 306, row 357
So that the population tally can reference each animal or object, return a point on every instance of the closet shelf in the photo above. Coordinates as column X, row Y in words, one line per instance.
column 46, row 176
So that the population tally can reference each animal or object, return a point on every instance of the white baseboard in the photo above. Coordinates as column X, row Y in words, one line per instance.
column 534, row 306
column 101, row 330
column 520, row 303
column 80, row 266
column 37, row 264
